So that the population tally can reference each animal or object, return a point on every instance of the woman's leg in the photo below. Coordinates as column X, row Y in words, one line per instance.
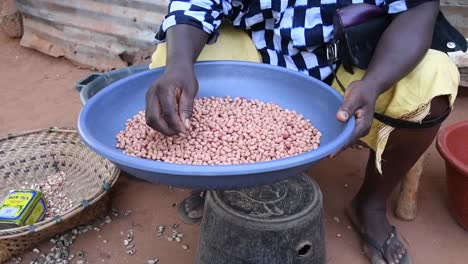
column 369, row 206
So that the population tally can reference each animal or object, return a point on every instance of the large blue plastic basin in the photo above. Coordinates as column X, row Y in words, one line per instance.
column 105, row 114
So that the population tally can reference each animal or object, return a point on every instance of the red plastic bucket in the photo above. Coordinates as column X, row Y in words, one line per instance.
column 452, row 144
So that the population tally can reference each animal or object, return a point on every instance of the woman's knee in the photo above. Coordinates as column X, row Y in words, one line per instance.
column 439, row 106
column 435, row 62
column 438, row 70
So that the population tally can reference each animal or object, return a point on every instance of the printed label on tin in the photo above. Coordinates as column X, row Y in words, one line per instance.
column 9, row 212
column 16, row 204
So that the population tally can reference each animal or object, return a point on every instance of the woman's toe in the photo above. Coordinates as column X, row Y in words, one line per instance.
column 377, row 259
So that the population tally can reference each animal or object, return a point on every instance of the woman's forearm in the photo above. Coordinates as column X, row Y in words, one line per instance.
column 402, row 46
column 184, row 45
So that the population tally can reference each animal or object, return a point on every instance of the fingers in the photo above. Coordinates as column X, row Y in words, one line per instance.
column 154, row 118
column 349, row 107
column 364, row 120
column 170, row 111
column 186, row 108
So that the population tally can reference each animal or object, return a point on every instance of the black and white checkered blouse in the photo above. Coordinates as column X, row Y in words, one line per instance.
column 288, row 33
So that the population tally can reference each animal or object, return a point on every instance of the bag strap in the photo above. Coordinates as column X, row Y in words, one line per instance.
column 393, row 122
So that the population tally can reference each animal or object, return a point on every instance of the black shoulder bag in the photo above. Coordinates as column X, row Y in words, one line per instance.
column 357, row 30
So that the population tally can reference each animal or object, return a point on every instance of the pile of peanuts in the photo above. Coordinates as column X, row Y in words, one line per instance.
column 53, row 190
column 224, row 131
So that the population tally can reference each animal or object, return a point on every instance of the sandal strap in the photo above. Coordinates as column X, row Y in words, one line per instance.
column 375, row 244
column 390, row 238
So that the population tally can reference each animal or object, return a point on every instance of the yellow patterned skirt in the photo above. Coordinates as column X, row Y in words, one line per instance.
column 409, row 99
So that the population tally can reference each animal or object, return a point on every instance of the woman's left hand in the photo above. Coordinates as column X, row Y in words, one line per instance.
column 359, row 100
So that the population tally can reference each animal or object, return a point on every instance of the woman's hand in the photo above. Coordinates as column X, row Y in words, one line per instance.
column 360, row 99
column 169, row 102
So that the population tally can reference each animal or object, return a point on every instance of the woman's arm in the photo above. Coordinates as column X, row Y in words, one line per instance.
column 184, row 45
column 402, row 46
column 169, row 102
column 400, row 49
column 187, row 28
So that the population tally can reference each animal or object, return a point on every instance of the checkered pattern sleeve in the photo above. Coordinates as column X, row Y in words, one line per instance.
column 398, row 6
column 203, row 14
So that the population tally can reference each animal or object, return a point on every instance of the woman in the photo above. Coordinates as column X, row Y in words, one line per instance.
column 405, row 80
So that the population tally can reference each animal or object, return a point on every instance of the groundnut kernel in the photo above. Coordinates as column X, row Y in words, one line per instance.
column 224, row 131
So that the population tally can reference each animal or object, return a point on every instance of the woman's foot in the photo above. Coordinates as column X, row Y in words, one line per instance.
column 191, row 208
column 381, row 243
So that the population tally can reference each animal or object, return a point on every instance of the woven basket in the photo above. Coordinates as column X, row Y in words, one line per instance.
column 31, row 157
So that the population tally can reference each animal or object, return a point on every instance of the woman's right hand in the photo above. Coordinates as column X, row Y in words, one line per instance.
column 169, row 102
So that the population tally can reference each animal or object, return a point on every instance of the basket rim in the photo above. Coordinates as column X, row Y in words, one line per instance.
column 36, row 131
column 25, row 230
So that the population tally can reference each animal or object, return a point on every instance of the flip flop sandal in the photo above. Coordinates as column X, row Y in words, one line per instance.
column 406, row 259
column 197, row 197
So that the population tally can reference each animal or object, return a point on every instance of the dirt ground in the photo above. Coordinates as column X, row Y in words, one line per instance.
column 38, row 91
